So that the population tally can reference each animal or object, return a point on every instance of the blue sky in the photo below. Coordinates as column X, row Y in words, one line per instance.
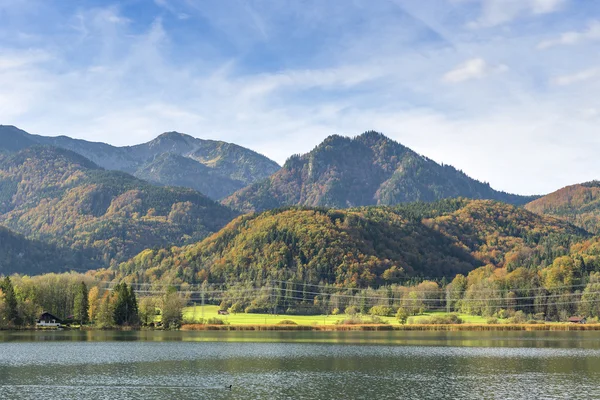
column 505, row 90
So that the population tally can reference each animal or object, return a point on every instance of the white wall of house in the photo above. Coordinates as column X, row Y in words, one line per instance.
column 52, row 323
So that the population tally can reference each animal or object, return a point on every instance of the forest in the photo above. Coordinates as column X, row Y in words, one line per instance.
column 470, row 256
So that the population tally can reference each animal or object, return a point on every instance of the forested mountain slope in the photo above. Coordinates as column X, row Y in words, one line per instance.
column 62, row 198
column 24, row 256
column 369, row 169
column 209, row 160
column 367, row 246
column 578, row 204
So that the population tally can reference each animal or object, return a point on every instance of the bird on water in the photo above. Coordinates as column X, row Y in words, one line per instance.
column 228, row 387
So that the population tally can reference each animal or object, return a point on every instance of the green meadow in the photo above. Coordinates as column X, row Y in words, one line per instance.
column 195, row 314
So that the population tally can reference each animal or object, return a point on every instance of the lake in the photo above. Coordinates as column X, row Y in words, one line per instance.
column 299, row 365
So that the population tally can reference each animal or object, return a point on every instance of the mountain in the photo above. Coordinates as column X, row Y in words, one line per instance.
column 209, row 161
column 31, row 257
column 175, row 170
column 369, row 169
column 14, row 139
column 367, row 246
column 578, row 204
column 64, row 199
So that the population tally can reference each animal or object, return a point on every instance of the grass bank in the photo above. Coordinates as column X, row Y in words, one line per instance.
column 413, row 327
column 195, row 314
column 270, row 322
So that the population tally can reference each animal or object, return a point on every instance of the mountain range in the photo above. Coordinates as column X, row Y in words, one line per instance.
column 366, row 204
column 64, row 199
column 213, row 168
column 369, row 169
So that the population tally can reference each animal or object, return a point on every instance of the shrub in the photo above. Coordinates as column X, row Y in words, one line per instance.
column 352, row 310
column 492, row 321
column 382, row 311
column 449, row 319
column 518, row 318
column 335, row 311
column 533, row 322
column 225, row 304
column 354, row 320
column 215, row 321
column 376, row 320
column 255, row 308
column 287, row 322
column 237, row 307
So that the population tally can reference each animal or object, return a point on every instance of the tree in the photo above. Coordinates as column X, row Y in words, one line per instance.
column 93, row 296
column 105, row 316
column 81, row 307
column 590, row 300
column 172, row 309
column 126, row 309
column 11, row 313
column 147, row 309
column 402, row 315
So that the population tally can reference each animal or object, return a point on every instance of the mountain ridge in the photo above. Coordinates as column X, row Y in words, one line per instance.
column 369, row 169
column 62, row 198
column 236, row 165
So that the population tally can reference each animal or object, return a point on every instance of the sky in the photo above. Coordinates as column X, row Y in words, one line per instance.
column 505, row 90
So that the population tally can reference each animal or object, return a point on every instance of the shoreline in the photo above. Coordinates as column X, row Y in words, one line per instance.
column 413, row 327
column 339, row 328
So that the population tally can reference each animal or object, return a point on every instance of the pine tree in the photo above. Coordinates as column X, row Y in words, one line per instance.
column 81, row 306
column 11, row 314
column 126, row 308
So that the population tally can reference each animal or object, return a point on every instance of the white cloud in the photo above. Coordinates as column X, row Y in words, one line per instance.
column 571, row 38
column 475, row 68
column 582, row 76
column 13, row 60
column 133, row 84
column 497, row 12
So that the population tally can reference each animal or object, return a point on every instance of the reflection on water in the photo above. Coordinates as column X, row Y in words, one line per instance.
column 299, row 365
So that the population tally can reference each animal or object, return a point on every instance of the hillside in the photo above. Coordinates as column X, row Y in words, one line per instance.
column 578, row 204
column 369, row 169
column 361, row 247
column 175, row 170
column 31, row 257
column 208, row 160
column 62, row 198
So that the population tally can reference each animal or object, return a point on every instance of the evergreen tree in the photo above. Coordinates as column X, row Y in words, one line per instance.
column 126, row 309
column 81, row 307
column 11, row 313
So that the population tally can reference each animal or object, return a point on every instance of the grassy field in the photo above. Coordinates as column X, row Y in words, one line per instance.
column 191, row 314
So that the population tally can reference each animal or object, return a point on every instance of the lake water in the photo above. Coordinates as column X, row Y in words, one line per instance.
column 299, row 365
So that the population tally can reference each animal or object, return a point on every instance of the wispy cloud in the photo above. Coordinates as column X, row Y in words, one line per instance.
column 280, row 77
column 581, row 76
column 475, row 68
column 592, row 33
column 497, row 12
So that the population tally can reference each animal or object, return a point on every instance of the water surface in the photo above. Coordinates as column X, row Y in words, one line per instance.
column 299, row 365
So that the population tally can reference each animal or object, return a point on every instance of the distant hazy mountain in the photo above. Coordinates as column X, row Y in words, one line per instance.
column 64, row 199
column 231, row 166
column 578, row 204
column 367, row 170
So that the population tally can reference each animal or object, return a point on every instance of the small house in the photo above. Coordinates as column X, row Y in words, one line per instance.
column 578, row 320
column 223, row 312
column 48, row 320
